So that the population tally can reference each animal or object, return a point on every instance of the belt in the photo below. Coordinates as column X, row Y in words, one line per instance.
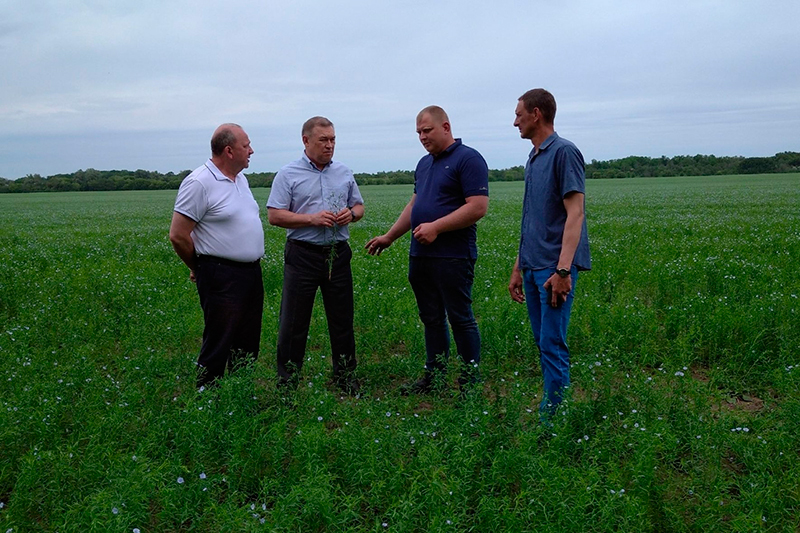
column 229, row 262
column 322, row 248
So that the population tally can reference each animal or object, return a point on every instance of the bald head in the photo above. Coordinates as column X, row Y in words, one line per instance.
column 224, row 136
column 230, row 149
column 433, row 129
column 436, row 113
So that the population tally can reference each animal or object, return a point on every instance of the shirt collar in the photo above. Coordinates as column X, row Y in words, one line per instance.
column 217, row 173
column 545, row 144
column 449, row 149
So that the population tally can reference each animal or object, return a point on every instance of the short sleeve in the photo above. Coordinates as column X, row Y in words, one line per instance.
column 280, row 196
column 192, row 200
column 355, row 194
column 474, row 176
column 570, row 169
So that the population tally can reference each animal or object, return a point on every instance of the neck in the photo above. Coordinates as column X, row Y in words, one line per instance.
column 225, row 169
column 449, row 144
column 542, row 135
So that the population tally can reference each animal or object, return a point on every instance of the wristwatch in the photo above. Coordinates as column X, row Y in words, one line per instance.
column 563, row 272
column 352, row 214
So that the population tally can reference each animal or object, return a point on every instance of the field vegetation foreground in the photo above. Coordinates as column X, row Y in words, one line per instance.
column 684, row 413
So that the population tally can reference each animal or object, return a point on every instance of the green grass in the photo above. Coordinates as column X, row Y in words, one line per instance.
column 684, row 412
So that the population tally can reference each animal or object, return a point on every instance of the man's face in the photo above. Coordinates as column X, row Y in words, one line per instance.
column 241, row 149
column 434, row 136
column 525, row 121
column 320, row 144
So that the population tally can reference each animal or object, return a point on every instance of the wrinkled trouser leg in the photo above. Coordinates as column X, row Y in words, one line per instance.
column 232, row 299
column 443, row 289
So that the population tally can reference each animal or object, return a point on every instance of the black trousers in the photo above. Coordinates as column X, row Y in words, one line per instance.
column 232, row 298
column 306, row 269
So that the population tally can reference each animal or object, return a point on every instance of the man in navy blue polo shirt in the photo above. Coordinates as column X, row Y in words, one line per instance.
column 451, row 193
column 554, row 245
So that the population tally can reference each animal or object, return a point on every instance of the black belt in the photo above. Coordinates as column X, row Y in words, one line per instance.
column 229, row 262
column 322, row 248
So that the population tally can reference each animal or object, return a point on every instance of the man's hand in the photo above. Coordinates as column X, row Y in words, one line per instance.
column 558, row 288
column 378, row 244
column 425, row 233
column 323, row 218
column 344, row 217
column 515, row 288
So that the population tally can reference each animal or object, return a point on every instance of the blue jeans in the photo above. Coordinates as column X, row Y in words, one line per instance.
column 443, row 288
column 549, row 325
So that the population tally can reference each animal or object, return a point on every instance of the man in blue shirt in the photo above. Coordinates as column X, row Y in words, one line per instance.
column 315, row 199
column 451, row 193
column 554, row 245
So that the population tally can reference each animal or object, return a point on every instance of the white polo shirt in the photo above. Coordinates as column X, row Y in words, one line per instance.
column 227, row 216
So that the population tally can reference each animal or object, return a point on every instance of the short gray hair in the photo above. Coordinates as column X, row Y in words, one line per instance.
column 313, row 122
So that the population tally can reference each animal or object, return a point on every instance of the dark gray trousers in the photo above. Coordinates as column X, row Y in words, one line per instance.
column 306, row 269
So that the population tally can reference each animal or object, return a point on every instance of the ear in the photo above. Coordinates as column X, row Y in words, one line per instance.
column 446, row 126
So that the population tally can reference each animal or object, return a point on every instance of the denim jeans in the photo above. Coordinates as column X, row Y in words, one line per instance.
column 305, row 270
column 443, row 288
column 232, row 298
column 549, row 325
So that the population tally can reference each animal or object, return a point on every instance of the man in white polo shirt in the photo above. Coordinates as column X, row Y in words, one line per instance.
column 216, row 230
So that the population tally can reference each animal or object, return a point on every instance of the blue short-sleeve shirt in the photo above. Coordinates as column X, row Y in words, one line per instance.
column 300, row 187
column 552, row 173
column 441, row 184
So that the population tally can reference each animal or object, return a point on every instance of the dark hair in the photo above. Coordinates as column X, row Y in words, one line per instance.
column 222, row 138
column 313, row 122
column 543, row 100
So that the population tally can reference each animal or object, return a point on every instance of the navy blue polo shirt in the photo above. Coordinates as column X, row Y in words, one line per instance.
column 442, row 183
column 552, row 173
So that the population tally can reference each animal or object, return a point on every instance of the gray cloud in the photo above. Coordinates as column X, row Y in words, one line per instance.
column 142, row 84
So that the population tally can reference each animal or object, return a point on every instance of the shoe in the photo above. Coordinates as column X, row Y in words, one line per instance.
column 287, row 385
column 423, row 385
column 349, row 386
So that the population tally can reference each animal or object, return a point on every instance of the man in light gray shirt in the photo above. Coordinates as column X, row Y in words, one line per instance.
column 316, row 199
column 217, row 231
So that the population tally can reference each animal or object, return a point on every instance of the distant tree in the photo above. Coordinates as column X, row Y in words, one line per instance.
column 633, row 166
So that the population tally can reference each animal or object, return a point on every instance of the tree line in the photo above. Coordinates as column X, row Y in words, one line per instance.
column 628, row 167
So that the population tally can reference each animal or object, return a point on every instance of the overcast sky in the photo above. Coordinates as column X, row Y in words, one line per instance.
column 129, row 84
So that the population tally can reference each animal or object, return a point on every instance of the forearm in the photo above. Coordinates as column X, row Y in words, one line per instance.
column 284, row 218
column 358, row 212
column 402, row 225
column 184, row 247
column 180, row 235
column 570, row 240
